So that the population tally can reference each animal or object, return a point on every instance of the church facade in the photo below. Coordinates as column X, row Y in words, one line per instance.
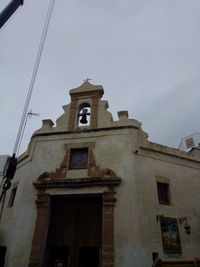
column 93, row 192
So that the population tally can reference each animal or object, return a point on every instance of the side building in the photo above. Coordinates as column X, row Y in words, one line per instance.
column 91, row 191
column 189, row 142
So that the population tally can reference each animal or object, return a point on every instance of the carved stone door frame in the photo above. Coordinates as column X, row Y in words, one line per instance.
column 42, row 224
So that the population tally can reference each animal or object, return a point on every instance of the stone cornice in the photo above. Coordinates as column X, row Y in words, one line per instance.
column 87, row 89
column 78, row 182
column 77, row 131
column 169, row 151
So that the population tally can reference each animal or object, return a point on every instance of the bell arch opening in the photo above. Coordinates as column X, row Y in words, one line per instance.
column 84, row 115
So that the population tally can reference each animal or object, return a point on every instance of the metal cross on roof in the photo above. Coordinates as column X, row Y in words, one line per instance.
column 87, row 80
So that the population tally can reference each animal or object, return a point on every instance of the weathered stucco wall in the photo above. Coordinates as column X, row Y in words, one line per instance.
column 137, row 231
column 184, row 202
column 122, row 148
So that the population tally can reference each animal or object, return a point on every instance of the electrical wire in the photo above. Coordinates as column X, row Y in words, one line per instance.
column 34, row 74
column 2, row 202
column 10, row 19
column 23, row 121
column 22, row 134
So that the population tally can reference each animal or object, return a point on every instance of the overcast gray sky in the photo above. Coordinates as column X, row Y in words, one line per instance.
column 145, row 53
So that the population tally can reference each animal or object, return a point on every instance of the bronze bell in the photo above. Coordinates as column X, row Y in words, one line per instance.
column 83, row 120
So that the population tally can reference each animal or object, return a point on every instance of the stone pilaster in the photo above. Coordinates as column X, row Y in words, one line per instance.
column 40, row 232
column 108, row 229
column 94, row 112
column 72, row 114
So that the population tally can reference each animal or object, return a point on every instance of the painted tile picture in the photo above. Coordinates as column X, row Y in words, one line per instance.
column 170, row 235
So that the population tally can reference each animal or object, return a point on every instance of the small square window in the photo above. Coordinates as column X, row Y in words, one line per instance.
column 78, row 158
column 163, row 193
column 12, row 197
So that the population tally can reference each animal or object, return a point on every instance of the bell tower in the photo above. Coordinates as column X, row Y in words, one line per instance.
column 84, row 106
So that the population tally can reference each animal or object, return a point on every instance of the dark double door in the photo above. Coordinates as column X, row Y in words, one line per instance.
column 74, row 236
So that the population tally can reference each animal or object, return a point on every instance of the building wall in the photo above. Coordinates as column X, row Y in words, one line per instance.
column 189, row 142
column 123, row 148
column 184, row 187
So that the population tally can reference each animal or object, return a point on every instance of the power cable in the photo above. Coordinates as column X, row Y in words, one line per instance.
column 11, row 18
column 8, row 13
column 22, row 134
column 11, row 164
column 35, row 70
column 2, row 201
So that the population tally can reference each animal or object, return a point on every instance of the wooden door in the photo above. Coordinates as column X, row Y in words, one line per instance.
column 74, row 237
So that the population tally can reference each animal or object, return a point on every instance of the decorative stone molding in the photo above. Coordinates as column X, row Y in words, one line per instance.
column 47, row 123
column 77, row 182
column 60, row 173
column 96, row 171
column 40, row 233
column 72, row 113
column 108, row 229
column 176, row 263
column 153, row 149
column 86, row 91
column 42, row 222
column 123, row 114
column 94, row 111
